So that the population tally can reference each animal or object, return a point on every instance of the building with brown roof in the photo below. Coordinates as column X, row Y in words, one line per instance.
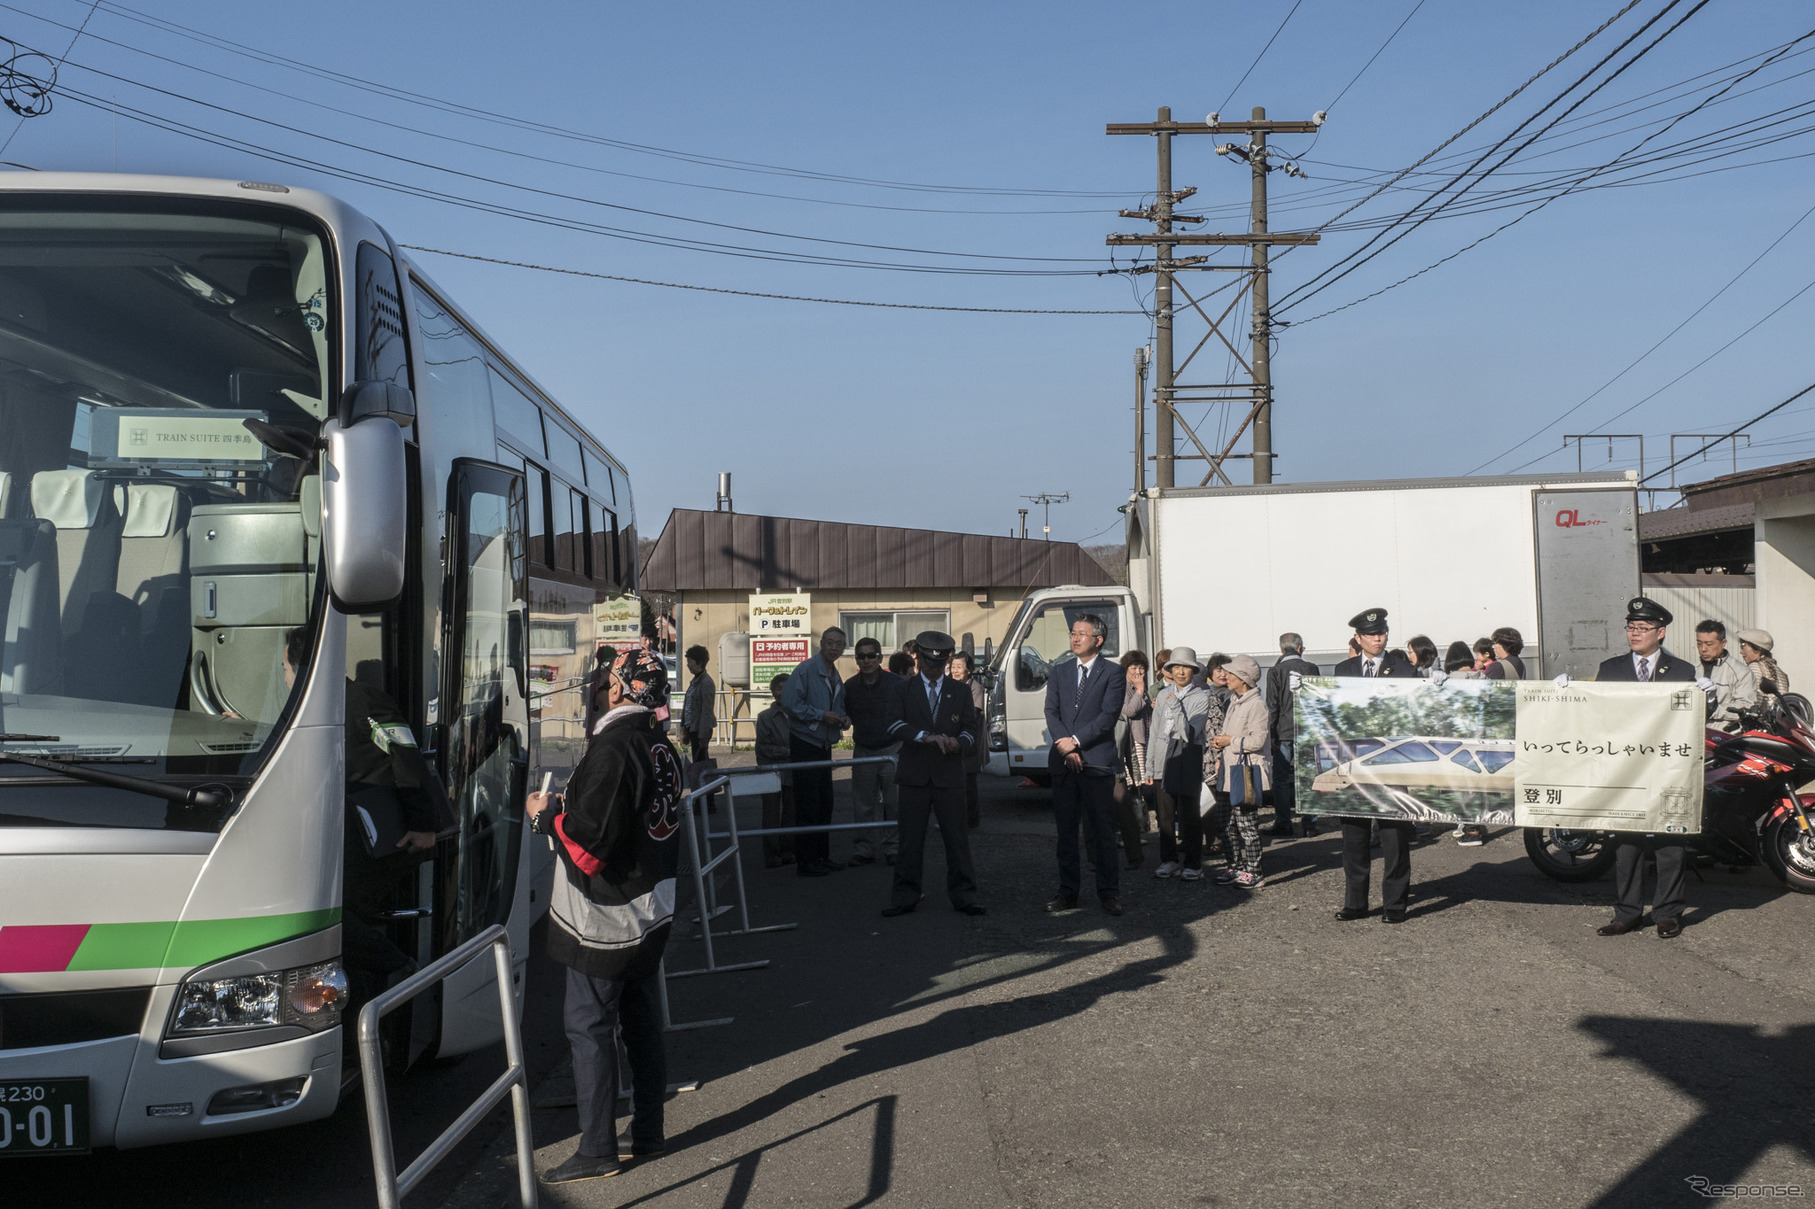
column 872, row 580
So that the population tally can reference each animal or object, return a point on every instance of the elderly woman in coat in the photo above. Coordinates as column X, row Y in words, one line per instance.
column 1244, row 759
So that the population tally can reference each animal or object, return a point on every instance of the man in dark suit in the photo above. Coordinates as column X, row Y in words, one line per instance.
column 937, row 728
column 1083, row 703
column 1374, row 661
column 1646, row 621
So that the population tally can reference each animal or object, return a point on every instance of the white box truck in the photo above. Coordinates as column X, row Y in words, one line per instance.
column 1231, row 568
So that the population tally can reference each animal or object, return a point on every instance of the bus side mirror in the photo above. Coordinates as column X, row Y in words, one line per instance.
column 989, row 649
column 377, row 400
column 364, row 514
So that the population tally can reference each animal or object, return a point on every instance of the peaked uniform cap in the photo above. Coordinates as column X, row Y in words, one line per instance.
column 1643, row 608
column 1369, row 621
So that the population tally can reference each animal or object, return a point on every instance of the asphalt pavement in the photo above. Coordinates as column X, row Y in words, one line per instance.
column 1215, row 1047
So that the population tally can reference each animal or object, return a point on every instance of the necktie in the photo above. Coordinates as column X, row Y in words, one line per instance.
column 1078, row 700
column 932, row 699
column 1370, row 668
column 1644, row 669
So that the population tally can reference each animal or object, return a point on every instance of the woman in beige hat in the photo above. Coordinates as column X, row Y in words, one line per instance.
column 1244, row 754
column 1755, row 648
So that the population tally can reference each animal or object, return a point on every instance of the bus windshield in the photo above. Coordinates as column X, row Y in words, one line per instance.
column 155, row 551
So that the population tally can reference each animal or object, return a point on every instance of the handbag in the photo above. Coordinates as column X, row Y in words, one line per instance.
column 1247, row 782
column 1183, row 771
column 375, row 819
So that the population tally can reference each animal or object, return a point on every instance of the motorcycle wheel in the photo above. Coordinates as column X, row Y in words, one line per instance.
column 1789, row 855
column 1569, row 856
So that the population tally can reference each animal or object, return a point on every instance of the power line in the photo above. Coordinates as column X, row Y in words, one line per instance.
column 1371, row 58
column 1711, row 356
column 1355, row 259
column 1634, row 363
column 43, row 93
column 454, row 107
column 706, row 289
column 589, row 201
column 1546, row 201
column 1489, row 112
column 1262, row 55
column 292, row 99
column 1729, row 436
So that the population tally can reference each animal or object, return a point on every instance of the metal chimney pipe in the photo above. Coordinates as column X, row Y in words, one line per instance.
column 724, row 493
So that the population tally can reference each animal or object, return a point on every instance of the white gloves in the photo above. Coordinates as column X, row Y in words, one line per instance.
column 1705, row 684
column 1293, row 680
column 1438, row 675
column 1563, row 680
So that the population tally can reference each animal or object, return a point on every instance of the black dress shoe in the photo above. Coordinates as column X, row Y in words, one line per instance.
column 810, row 869
column 1279, row 830
column 1620, row 927
column 890, row 912
column 861, row 858
column 1310, row 829
column 582, row 1167
column 1667, row 928
column 630, row 1148
column 1112, row 905
column 1349, row 913
column 1392, row 917
column 972, row 909
column 1062, row 902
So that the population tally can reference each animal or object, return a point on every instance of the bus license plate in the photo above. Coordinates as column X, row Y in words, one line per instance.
column 43, row 1116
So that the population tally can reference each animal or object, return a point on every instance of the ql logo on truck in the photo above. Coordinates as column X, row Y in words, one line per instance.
column 1569, row 518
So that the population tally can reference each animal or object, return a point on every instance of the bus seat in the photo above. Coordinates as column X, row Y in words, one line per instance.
column 30, row 661
column 153, row 559
column 88, row 536
column 103, row 660
column 6, row 493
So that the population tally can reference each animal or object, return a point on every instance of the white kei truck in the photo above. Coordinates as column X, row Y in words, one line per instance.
column 1232, row 568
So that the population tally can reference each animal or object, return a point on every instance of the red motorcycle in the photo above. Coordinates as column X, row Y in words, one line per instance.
column 1752, row 812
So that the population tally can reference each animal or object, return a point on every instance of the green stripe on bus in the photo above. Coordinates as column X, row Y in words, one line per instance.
column 190, row 942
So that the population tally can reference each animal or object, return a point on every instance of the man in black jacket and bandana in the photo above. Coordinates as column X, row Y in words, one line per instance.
column 615, row 832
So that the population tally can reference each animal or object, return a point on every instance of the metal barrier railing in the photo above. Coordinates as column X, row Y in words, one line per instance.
column 704, row 861
column 392, row 1186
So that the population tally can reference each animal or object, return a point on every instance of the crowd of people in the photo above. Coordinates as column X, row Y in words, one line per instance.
column 1191, row 748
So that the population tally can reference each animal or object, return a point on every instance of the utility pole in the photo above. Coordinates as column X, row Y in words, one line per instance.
column 1263, row 319
column 1257, row 391
column 1046, row 501
column 1141, row 358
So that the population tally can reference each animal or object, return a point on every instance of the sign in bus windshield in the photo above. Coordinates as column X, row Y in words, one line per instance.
column 170, row 436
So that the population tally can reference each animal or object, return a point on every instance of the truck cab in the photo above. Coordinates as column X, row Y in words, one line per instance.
column 1039, row 640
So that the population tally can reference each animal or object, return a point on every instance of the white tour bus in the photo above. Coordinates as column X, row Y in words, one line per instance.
column 232, row 410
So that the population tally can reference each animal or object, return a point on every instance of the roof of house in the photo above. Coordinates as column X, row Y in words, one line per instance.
column 1687, row 522
column 734, row 550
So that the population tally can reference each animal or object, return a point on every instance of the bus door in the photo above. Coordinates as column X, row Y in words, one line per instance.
column 485, row 748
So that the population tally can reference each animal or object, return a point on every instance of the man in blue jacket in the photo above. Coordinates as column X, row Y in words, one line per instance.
column 1083, row 703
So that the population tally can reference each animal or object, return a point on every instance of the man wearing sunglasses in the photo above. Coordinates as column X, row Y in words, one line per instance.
column 1646, row 621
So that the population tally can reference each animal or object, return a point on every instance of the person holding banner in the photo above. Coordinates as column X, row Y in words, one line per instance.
column 1646, row 621
column 1374, row 660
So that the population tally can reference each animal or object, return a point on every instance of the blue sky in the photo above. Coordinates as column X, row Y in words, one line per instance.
column 945, row 419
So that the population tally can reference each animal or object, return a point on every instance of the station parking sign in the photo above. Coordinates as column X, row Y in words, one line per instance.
column 781, row 634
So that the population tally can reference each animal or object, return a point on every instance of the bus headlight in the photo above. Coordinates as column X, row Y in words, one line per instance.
column 230, row 1003
column 311, row 996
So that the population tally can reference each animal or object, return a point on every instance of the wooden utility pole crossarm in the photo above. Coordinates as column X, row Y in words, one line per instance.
column 1228, row 241
column 1170, row 127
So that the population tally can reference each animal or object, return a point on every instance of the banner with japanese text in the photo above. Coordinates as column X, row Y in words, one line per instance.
column 1610, row 757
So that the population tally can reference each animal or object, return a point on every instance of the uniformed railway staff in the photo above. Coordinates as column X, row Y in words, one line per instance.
column 1375, row 661
column 937, row 727
column 1646, row 621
